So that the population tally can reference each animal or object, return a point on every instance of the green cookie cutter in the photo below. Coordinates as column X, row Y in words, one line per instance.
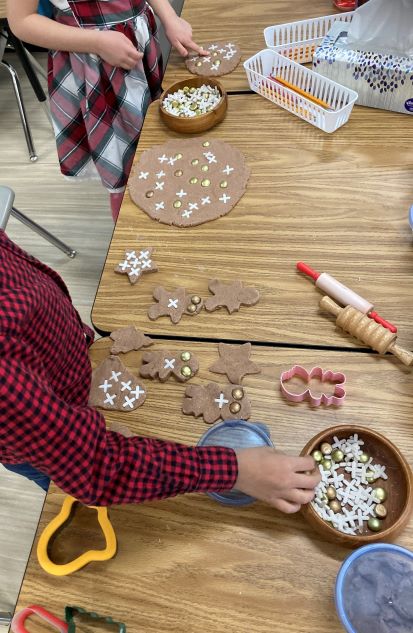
column 71, row 611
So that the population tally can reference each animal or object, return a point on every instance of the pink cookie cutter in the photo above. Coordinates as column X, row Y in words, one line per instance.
column 338, row 378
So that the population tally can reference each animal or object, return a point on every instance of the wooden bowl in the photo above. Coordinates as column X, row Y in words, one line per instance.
column 399, row 503
column 196, row 124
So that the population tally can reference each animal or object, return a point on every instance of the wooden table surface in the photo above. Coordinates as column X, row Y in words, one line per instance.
column 3, row 10
column 188, row 564
column 244, row 24
column 338, row 202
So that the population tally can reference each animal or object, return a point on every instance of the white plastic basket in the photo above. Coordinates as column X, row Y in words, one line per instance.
column 298, row 40
column 340, row 100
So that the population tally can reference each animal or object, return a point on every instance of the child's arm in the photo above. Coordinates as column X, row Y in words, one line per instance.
column 113, row 47
column 177, row 30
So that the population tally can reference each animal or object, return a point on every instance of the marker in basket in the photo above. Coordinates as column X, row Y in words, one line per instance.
column 344, row 295
column 301, row 92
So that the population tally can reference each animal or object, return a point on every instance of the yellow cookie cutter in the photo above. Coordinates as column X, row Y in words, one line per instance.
column 87, row 557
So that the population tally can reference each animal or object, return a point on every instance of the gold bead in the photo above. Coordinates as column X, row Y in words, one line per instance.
column 218, row 62
column 186, row 88
column 364, row 458
column 223, row 184
column 193, row 180
column 175, row 104
column 235, row 407
column 194, row 161
column 335, row 506
column 177, row 204
column 179, row 172
column 149, row 194
column 370, row 477
column 206, row 182
column 326, row 464
column 186, row 356
column 374, row 524
column 214, row 54
column 198, row 112
column 206, row 144
column 191, row 308
column 196, row 300
column 337, row 456
column 326, row 448
column 380, row 494
column 178, row 156
column 381, row 511
column 186, row 371
column 192, row 90
column 193, row 106
column 331, row 493
column 198, row 64
column 317, row 456
column 237, row 393
column 205, row 168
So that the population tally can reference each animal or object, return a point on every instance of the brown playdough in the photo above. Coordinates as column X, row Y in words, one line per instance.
column 127, row 339
column 174, row 304
column 214, row 402
column 222, row 59
column 163, row 363
column 235, row 362
column 231, row 296
column 136, row 262
column 186, row 182
column 115, row 388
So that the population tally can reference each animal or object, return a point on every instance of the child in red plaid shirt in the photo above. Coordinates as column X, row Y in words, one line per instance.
column 102, row 78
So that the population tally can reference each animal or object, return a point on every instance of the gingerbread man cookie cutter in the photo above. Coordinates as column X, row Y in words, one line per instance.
column 338, row 378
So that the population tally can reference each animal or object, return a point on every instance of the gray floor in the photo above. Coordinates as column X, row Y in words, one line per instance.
column 79, row 215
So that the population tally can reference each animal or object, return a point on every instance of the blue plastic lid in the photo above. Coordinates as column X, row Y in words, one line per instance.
column 374, row 590
column 236, row 434
column 411, row 217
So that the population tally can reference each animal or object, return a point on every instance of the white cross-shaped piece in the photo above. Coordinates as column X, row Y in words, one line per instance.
column 124, row 265
column 159, row 185
column 163, row 158
column 181, row 193
column 137, row 392
column 128, row 402
column 160, row 174
column 106, row 386
column 144, row 254
column 206, row 200
column 159, row 206
column 215, row 66
column 135, row 262
column 169, row 363
column 172, row 160
column 173, row 303
column 221, row 50
column 115, row 376
column 135, row 271
column 230, row 45
column 143, row 175
column 130, row 255
column 147, row 263
column 227, row 170
column 193, row 206
column 209, row 155
column 224, row 198
column 213, row 47
column 126, row 385
column 221, row 400
column 206, row 59
column 109, row 398
column 229, row 55
column 186, row 213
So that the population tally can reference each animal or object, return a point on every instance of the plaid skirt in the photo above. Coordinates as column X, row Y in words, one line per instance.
column 97, row 109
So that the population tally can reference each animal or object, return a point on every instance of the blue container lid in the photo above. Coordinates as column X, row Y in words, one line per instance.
column 236, row 434
column 374, row 590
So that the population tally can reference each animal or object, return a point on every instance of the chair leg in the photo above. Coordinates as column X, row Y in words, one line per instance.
column 67, row 250
column 5, row 617
column 22, row 111
column 27, row 66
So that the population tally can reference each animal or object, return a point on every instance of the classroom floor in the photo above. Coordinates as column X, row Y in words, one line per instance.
column 80, row 216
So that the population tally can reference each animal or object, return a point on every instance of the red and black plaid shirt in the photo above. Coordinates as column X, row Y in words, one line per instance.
column 45, row 377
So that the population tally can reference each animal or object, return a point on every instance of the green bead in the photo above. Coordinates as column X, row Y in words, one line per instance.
column 317, row 456
column 380, row 494
column 364, row 458
column 337, row 456
column 326, row 464
column 186, row 371
column 370, row 477
column 374, row 524
column 186, row 356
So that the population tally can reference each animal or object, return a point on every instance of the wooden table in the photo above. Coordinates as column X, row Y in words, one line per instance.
column 191, row 565
column 244, row 24
column 338, row 202
column 3, row 9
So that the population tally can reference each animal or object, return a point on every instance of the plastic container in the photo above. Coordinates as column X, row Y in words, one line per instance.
column 374, row 590
column 298, row 40
column 338, row 99
column 235, row 434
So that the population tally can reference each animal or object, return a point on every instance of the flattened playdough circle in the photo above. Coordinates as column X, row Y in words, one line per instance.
column 223, row 58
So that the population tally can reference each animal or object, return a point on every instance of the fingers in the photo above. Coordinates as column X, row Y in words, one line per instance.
column 286, row 506
column 307, row 481
column 193, row 46
column 301, row 497
column 303, row 464
column 181, row 49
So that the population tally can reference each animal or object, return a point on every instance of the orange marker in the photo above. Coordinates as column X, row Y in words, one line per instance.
column 298, row 90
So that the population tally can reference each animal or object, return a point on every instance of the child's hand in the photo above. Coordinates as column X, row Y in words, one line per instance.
column 277, row 479
column 116, row 49
column 179, row 33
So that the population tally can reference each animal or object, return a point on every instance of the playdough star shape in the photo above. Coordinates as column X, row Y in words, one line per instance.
column 136, row 262
column 235, row 362
column 127, row 339
column 231, row 296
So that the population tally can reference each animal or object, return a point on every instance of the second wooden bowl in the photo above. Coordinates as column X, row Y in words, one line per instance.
column 196, row 124
column 399, row 503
